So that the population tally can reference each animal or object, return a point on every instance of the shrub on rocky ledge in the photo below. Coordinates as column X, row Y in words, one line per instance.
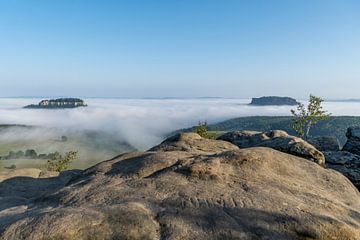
column 202, row 130
column 60, row 163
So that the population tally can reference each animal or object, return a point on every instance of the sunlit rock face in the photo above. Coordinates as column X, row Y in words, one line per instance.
column 276, row 139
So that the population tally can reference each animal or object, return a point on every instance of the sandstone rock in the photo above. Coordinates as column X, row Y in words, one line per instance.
column 276, row 139
column 353, row 143
column 186, row 188
column 346, row 163
column 47, row 174
column 20, row 190
column 25, row 172
column 348, row 160
column 134, row 219
column 353, row 132
column 341, row 158
column 193, row 142
column 325, row 143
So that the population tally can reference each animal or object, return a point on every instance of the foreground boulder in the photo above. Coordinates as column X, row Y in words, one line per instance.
column 192, row 188
column 275, row 139
column 353, row 140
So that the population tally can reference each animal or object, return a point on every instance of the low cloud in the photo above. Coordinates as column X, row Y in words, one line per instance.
column 143, row 123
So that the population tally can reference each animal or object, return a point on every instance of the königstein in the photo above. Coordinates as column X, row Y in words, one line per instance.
column 274, row 100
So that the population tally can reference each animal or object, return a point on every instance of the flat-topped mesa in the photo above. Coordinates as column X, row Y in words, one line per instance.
column 59, row 103
column 273, row 100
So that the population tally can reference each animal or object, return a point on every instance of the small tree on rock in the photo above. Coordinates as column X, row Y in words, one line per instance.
column 60, row 163
column 203, row 130
column 306, row 117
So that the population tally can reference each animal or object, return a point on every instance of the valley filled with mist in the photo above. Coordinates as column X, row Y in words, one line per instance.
column 109, row 127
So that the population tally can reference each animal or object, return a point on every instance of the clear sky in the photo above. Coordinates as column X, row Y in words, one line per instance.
column 173, row 48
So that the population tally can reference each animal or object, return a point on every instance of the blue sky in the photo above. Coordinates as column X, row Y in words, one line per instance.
column 188, row 48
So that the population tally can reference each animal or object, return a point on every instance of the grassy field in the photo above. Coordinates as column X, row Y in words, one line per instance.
column 22, row 163
column 92, row 147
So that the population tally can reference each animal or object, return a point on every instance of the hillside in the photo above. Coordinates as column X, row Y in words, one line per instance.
column 92, row 146
column 334, row 126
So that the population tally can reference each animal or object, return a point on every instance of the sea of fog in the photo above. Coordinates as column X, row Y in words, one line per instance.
column 144, row 122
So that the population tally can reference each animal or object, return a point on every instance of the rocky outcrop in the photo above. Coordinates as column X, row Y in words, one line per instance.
column 273, row 100
column 192, row 142
column 346, row 163
column 353, row 140
column 19, row 188
column 275, row 139
column 325, row 143
column 341, row 158
column 188, row 188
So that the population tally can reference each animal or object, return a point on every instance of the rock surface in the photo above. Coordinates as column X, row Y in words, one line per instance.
column 275, row 139
column 345, row 162
column 353, row 140
column 325, row 143
column 25, row 172
column 189, row 188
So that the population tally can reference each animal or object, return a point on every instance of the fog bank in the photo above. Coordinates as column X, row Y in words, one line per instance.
column 144, row 122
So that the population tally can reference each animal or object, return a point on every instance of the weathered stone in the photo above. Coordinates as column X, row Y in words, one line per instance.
column 341, row 158
column 325, row 143
column 353, row 143
column 275, row 139
column 193, row 142
column 187, row 188
column 345, row 162
column 353, row 132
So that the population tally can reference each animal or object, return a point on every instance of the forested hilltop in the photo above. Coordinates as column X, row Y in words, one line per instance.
column 333, row 126
column 59, row 103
